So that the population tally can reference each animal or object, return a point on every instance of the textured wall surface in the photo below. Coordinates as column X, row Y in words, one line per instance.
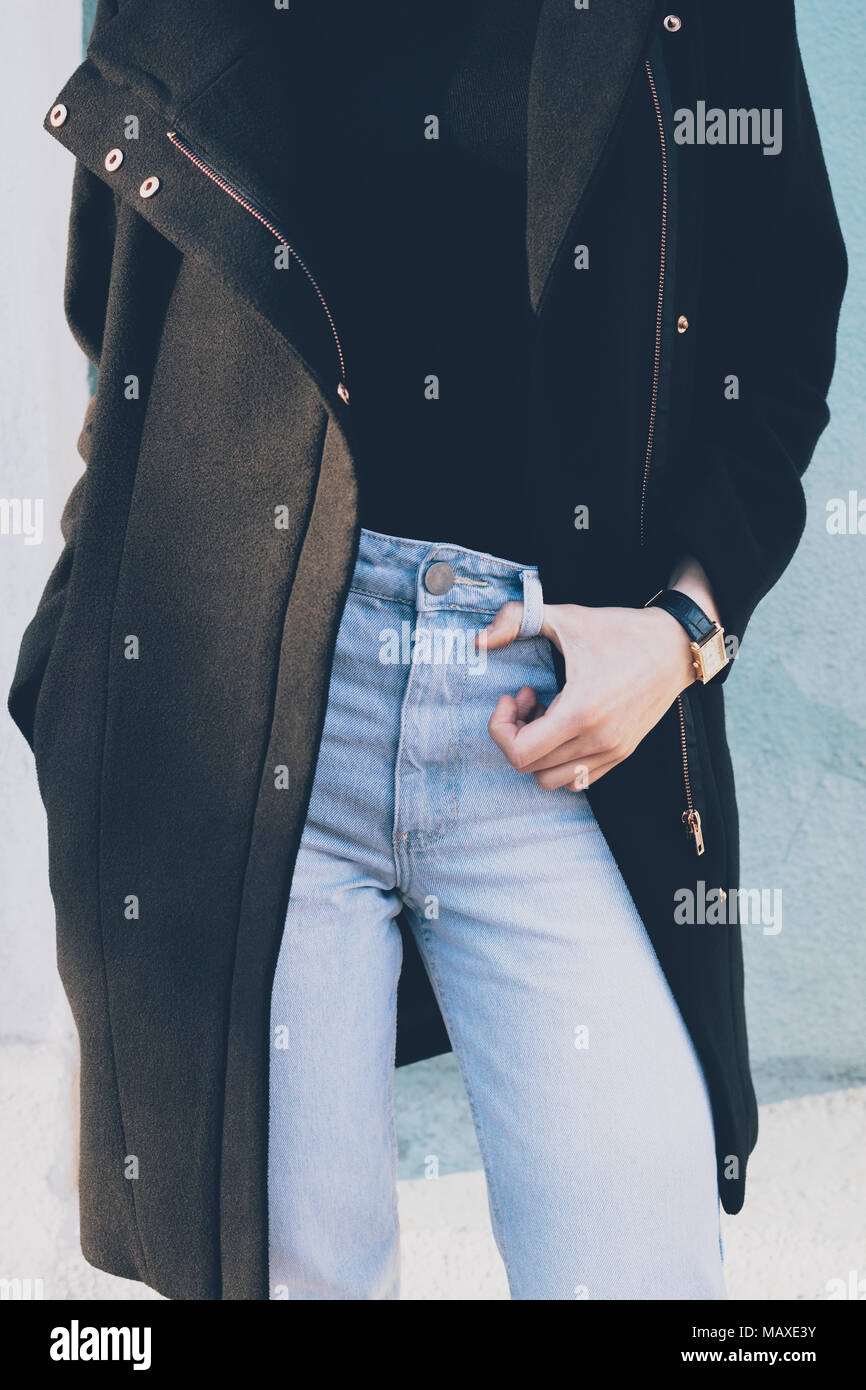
column 796, row 706
column 796, row 701
column 44, row 394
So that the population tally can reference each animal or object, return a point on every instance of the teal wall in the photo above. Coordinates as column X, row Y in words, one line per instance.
column 795, row 701
column 88, row 11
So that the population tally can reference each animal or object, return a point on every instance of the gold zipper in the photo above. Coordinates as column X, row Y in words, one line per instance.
column 657, row 357
column 691, row 817
column 264, row 217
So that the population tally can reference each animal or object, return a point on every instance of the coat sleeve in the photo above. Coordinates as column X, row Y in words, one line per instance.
column 774, row 272
column 88, row 272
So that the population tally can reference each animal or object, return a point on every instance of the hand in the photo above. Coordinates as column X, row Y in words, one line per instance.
column 624, row 667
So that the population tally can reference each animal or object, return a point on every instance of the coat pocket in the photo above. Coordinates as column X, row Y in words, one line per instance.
column 34, row 655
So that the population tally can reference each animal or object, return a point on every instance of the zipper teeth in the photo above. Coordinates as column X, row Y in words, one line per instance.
column 659, row 307
column 663, row 246
column 686, row 778
column 266, row 221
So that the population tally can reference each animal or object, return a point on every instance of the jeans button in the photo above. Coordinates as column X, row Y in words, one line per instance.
column 439, row 578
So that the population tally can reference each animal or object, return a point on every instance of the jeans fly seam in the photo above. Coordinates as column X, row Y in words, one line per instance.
column 396, row 833
column 424, row 839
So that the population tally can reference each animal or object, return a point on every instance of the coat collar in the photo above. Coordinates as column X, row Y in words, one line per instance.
column 582, row 66
column 193, row 66
column 168, row 51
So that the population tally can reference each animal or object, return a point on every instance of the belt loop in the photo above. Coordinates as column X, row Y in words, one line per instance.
column 533, row 604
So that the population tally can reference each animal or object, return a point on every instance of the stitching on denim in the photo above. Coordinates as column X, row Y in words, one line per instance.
column 384, row 598
column 392, row 1120
column 444, row 545
column 424, row 839
column 404, row 544
column 433, row 608
column 397, row 835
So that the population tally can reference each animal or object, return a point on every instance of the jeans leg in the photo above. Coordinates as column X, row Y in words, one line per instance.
column 332, row 1158
column 332, row 1155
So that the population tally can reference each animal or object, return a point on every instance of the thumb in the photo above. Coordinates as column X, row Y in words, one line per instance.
column 503, row 629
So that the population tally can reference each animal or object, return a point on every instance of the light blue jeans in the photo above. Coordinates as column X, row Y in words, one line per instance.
column 588, row 1101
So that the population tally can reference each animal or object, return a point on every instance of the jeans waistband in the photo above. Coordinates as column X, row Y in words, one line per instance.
column 402, row 570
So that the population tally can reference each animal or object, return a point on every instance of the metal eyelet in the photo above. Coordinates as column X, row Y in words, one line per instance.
column 113, row 160
column 682, row 323
column 58, row 114
column 673, row 23
column 149, row 187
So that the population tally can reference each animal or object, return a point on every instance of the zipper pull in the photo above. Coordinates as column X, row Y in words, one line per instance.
column 692, row 822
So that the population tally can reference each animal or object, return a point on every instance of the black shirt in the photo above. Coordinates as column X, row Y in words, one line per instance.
column 434, row 295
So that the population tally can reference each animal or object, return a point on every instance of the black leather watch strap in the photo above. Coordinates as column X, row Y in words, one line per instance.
column 692, row 617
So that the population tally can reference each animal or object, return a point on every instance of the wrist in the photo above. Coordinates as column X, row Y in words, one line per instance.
column 705, row 633
column 674, row 642
column 690, row 577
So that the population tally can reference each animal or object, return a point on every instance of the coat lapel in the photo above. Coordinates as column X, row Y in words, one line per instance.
column 169, row 52
column 215, row 73
column 581, row 69
column 215, row 70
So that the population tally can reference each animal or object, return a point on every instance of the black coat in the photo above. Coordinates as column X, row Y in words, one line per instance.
column 182, row 647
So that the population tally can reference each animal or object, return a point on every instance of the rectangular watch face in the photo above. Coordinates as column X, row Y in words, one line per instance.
column 713, row 655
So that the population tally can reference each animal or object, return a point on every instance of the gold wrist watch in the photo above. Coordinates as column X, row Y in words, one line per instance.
column 706, row 637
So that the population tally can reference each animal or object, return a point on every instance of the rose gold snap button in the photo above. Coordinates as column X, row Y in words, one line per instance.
column 113, row 160
column 149, row 187
column 58, row 114
column 682, row 323
column 673, row 23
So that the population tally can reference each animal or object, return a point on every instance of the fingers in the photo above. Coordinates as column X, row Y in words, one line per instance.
column 576, row 776
column 503, row 629
column 506, row 625
column 515, row 716
column 527, row 702
column 591, row 744
column 511, row 715
column 525, row 743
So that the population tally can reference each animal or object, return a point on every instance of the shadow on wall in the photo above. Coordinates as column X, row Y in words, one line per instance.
column 803, row 985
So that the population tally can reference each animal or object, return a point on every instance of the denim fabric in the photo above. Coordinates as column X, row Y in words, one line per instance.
column 589, row 1105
